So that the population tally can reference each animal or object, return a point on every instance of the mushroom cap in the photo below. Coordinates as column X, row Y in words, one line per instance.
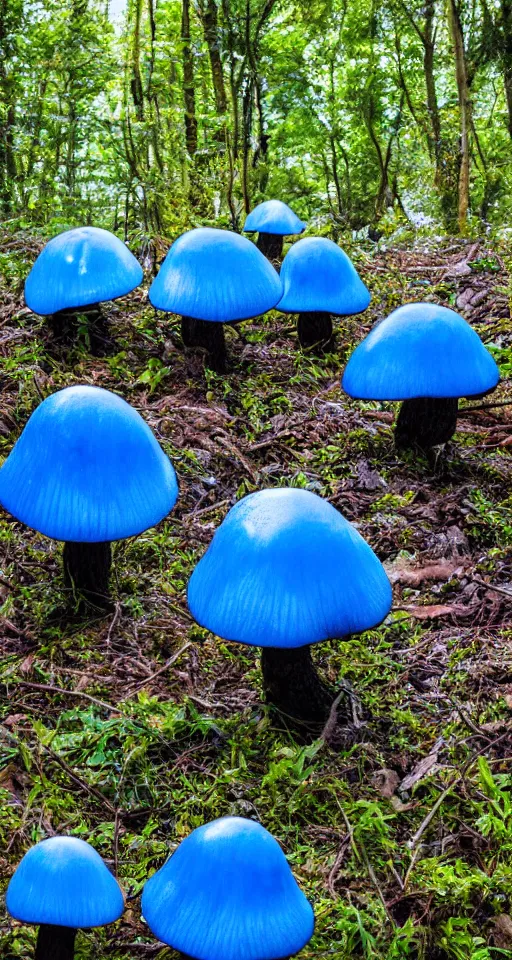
column 226, row 893
column 273, row 216
column 420, row 350
column 79, row 267
column 64, row 882
column 285, row 569
column 87, row 468
column 318, row 277
column 215, row 275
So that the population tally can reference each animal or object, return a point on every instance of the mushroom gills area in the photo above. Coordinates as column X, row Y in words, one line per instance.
column 87, row 570
column 270, row 245
column 292, row 684
column 314, row 330
column 426, row 422
column 208, row 336
column 55, row 943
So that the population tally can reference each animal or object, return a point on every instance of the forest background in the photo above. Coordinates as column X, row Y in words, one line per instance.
column 151, row 116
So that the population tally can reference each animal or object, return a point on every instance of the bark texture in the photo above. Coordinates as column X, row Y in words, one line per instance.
column 55, row 943
column 426, row 422
column 271, row 245
column 87, row 571
column 315, row 331
column 292, row 684
column 209, row 337
column 461, row 74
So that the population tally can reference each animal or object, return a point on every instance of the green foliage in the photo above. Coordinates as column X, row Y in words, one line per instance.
column 333, row 107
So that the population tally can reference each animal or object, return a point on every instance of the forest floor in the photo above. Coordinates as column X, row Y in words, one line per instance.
column 132, row 729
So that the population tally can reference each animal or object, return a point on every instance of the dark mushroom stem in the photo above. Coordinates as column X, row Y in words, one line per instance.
column 314, row 330
column 208, row 336
column 55, row 943
column 63, row 322
column 426, row 421
column 87, row 571
column 270, row 245
column 292, row 684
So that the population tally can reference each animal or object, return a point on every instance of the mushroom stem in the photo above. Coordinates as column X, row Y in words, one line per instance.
column 55, row 943
column 292, row 684
column 210, row 337
column 270, row 245
column 87, row 570
column 426, row 421
column 63, row 323
column 314, row 330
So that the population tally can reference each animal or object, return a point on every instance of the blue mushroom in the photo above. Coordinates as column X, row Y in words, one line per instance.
column 285, row 570
column 211, row 277
column 228, row 893
column 87, row 470
column 319, row 280
column 62, row 885
column 427, row 356
column 272, row 220
column 78, row 270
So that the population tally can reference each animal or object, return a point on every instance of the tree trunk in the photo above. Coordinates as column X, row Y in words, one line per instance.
column 55, row 943
column 506, row 26
column 208, row 336
column 461, row 74
column 189, row 97
column 428, row 38
column 271, row 245
column 87, row 571
column 10, row 21
column 425, row 422
column 209, row 18
column 292, row 684
column 315, row 330
column 136, row 80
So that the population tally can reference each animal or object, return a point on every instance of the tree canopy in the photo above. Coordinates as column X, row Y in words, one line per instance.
column 191, row 111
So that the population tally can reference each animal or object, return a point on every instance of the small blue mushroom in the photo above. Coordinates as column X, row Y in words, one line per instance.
column 87, row 470
column 228, row 893
column 211, row 277
column 285, row 570
column 79, row 269
column 62, row 885
column 319, row 280
column 272, row 220
column 427, row 356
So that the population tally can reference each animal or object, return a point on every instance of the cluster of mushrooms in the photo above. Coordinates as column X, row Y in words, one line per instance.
column 226, row 893
column 422, row 354
column 284, row 570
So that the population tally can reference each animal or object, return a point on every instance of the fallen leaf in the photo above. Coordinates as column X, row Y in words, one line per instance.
column 422, row 769
column 413, row 576
column 502, row 933
column 495, row 726
column 508, row 700
column 386, row 782
column 368, row 479
column 401, row 807
column 26, row 666
column 435, row 610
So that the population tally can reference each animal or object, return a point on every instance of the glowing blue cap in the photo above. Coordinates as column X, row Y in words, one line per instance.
column 285, row 569
column 63, row 882
column 228, row 893
column 80, row 267
column 87, row 468
column 215, row 275
column 420, row 350
column 273, row 216
column 318, row 277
